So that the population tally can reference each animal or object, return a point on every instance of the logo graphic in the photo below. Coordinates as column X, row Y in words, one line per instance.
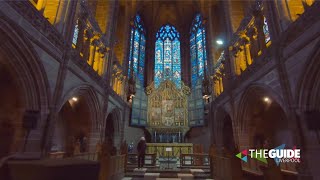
column 243, row 155
column 279, row 154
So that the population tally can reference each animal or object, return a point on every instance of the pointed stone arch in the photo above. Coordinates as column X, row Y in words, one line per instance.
column 89, row 93
column 308, row 96
column 78, row 121
column 114, row 127
column 26, row 73
column 224, row 130
column 260, row 120
column 259, row 91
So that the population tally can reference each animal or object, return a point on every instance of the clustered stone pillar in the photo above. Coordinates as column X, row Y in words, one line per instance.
column 102, row 51
column 86, row 47
column 252, row 34
column 93, row 50
column 246, row 42
column 259, row 23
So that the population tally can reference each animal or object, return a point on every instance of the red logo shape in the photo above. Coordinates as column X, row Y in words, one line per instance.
column 245, row 152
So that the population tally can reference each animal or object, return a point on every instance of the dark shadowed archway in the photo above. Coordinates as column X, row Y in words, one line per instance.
column 109, row 130
column 73, row 127
column 228, row 140
column 11, row 113
column 262, row 118
column 113, row 128
column 77, row 119
column 23, row 87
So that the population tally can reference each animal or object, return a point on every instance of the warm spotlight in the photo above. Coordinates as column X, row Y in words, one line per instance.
column 266, row 100
column 219, row 42
column 75, row 99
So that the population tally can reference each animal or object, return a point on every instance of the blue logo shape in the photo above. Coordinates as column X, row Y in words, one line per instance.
column 245, row 159
column 277, row 160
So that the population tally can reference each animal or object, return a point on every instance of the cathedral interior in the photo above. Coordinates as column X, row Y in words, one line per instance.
column 207, row 83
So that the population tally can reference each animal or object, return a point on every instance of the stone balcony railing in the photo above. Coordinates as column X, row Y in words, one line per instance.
column 83, row 65
column 305, row 21
column 39, row 22
column 247, row 51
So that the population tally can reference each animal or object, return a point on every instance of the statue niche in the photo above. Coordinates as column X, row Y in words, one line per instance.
column 167, row 112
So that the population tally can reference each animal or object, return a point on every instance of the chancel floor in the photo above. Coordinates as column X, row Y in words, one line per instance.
column 174, row 174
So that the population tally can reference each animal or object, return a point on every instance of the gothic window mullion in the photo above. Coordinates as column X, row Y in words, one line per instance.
column 171, row 42
column 203, row 49
column 131, row 52
column 139, row 49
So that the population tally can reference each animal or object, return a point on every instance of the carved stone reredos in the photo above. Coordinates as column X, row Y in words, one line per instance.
column 184, row 90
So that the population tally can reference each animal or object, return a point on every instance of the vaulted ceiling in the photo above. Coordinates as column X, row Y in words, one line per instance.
column 157, row 13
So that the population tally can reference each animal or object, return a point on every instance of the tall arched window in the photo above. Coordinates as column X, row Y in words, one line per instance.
column 75, row 34
column 197, row 49
column 266, row 30
column 137, row 49
column 167, row 56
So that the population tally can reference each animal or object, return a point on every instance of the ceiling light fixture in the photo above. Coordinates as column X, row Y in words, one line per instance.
column 266, row 100
column 219, row 42
column 75, row 99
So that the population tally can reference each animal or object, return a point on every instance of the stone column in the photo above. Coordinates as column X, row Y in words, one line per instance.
column 283, row 13
column 93, row 50
column 96, row 60
column 259, row 22
column 102, row 52
column 60, row 20
column 235, row 62
column 86, row 47
column 246, row 44
column 110, row 35
column 210, row 40
column 227, row 19
column 127, row 39
column 252, row 34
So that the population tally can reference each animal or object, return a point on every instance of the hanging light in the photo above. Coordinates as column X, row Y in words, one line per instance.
column 266, row 100
column 219, row 42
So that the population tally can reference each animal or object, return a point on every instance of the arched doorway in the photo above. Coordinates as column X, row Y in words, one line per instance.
column 75, row 123
column 223, row 132
column 109, row 130
column 113, row 129
column 228, row 140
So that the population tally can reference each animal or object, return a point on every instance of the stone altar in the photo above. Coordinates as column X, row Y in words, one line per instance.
column 177, row 148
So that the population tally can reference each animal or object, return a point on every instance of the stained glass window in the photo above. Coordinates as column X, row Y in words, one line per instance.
column 167, row 56
column 266, row 30
column 75, row 34
column 198, row 52
column 137, row 49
